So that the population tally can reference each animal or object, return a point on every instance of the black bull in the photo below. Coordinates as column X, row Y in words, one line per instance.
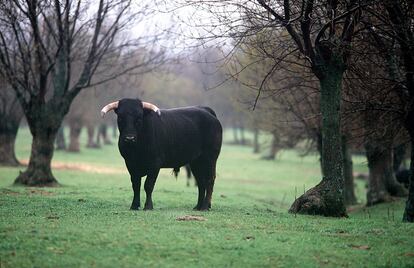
column 170, row 138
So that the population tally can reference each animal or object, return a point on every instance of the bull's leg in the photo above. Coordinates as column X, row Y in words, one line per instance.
column 211, row 176
column 149, row 187
column 201, row 195
column 197, row 169
column 136, row 186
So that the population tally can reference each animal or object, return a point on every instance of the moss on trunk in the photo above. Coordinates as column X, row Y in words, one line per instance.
column 38, row 172
column 327, row 198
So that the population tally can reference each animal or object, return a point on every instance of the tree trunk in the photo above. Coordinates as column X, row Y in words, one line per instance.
column 393, row 187
column 349, row 189
column 74, row 134
column 409, row 205
column 91, row 136
column 60, row 139
column 235, row 136
column 10, row 117
column 38, row 172
column 242, row 138
column 377, row 192
column 274, row 147
column 399, row 155
column 114, row 130
column 7, row 153
column 327, row 198
column 256, row 145
column 103, row 129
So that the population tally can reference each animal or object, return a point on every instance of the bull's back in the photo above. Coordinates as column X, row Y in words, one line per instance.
column 188, row 133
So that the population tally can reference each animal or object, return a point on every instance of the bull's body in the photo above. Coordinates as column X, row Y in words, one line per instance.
column 176, row 137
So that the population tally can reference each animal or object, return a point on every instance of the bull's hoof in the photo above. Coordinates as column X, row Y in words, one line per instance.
column 148, row 207
column 202, row 208
column 134, row 208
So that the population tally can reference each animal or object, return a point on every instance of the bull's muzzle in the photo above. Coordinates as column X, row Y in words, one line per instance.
column 130, row 139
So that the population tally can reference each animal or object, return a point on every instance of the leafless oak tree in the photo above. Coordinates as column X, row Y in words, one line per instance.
column 51, row 50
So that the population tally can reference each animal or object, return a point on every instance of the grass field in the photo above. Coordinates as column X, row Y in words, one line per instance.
column 87, row 222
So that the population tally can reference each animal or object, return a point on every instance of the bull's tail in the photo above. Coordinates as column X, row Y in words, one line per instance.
column 176, row 171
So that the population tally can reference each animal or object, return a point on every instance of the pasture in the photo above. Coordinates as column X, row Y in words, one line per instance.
column 87, row 222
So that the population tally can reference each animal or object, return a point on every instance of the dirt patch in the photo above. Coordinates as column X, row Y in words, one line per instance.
column 83, row 167
column 33, row 191
column 8, row 192
column 190, row 218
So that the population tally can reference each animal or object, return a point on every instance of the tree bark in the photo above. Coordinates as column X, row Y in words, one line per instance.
column 10, row 117
column 103, row 132
column 399, row 155
column 91, row 136
column 256, row 145
column 74, row 134
column 60, row 139
column 274, row 147
column 409, row 204
column 327, row 198
column 393, row 187
column 38, row 172
column 377, row 192
column 9, row 126
column 7, row 152
column 349, row 188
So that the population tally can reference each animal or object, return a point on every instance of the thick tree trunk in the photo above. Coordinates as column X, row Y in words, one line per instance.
column 393, row 187
column 381, row 183
column 377, row 192
column 60, row 139
column 399, row 155
column 38, row 172
column 274, row 147
column 74, row 134
column 91, row 136
column 256, row 145
column 327, row 198
column 103, row 130
column 409, row 205
column 349, row 189
column 7, row 153
column 10, row 117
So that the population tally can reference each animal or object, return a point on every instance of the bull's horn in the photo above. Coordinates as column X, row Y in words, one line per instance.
column 109, row 107
column 151, row 106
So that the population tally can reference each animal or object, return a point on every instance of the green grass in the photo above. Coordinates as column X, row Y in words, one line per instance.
column 87, row 221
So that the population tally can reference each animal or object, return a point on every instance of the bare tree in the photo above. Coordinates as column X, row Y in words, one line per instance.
column 394, row 32
column 40, row 64
column 321, row 32
column 10, row 116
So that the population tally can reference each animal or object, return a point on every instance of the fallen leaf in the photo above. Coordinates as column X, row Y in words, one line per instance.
column 249, row 237
column 409, row 254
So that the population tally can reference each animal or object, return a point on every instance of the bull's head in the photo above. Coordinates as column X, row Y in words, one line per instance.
column 130, row 114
